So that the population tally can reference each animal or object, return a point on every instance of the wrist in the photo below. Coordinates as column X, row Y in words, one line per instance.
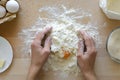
column 35, row 67
column 33, row 72
column 90, row 75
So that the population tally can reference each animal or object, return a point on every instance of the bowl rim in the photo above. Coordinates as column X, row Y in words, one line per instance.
column 114, row 59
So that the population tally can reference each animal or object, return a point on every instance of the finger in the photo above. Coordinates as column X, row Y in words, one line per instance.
column 42, row 34
column 35, row 43
column 48, row 43
column 93, row 42
column 88, row 40
column 80, row 36
column 80, row 48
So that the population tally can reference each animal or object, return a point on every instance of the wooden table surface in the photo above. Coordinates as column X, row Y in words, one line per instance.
column 106, row 69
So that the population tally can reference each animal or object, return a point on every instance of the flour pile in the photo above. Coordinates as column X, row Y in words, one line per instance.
column 65, row 23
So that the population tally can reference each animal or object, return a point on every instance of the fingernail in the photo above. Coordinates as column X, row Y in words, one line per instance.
column 50, row 28
column 82, row 32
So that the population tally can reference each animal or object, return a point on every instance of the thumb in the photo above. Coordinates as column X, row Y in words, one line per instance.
column 80, row 48
column 48, row 43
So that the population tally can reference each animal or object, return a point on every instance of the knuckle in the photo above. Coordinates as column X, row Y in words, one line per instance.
column 87, row 38
column 33, row 44
column 90, row 37
column 46, row 51
column 93, row 51
column 43, row 33
column 79, row 55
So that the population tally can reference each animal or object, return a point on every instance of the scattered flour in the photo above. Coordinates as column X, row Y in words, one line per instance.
column 65, row 23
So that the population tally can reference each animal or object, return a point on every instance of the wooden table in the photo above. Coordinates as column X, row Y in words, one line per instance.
column 106, row 69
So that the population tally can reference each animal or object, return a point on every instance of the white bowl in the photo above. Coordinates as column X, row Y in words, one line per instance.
column 110, row 8
column 113, row 45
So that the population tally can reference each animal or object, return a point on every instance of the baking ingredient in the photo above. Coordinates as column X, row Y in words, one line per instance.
column 114, row 5
column 111, row 8
column 66, row 54
column 7, row 15
column 113, row 44
column 2, row 62
column 66, row 23
column 2, row 11
column 12, row 6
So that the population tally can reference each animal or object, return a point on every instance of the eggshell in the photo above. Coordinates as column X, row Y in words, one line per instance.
column 12, row 6
column 2, row 11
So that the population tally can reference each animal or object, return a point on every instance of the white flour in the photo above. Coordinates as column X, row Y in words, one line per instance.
column 65, row 22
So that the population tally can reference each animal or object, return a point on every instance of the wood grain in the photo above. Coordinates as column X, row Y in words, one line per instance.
column 105, row 68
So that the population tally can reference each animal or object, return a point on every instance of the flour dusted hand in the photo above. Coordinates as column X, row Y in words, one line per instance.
column 40, row 52
column 86, row 56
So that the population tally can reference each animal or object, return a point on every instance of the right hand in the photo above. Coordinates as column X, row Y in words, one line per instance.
column 86, row 56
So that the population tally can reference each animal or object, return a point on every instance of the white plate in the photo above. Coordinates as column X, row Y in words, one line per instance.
column 6, row 53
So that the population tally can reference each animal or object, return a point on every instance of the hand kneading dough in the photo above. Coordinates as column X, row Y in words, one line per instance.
column 113, row 44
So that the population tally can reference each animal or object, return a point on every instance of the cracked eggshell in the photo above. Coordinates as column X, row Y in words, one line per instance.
column 12, row 6
column 2, row 11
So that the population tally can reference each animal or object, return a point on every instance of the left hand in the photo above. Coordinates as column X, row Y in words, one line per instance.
column 40, row 53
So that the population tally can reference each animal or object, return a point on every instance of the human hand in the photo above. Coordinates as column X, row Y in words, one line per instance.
column 86, row 56
column 40, row 52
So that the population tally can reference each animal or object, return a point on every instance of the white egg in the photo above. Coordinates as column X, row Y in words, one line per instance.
column 2, row 11
column 12, row 6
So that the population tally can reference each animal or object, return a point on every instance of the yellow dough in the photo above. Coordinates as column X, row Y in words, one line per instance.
column 2, row 62
column 113, row 5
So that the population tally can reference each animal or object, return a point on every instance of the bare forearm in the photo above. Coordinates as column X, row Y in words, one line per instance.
column 90, row 76
column 33, row 72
